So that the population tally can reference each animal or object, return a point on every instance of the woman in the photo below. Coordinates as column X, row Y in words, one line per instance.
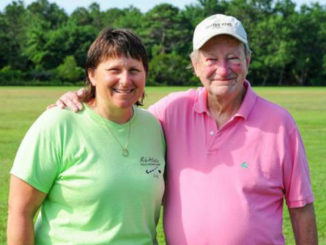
column 96, row 175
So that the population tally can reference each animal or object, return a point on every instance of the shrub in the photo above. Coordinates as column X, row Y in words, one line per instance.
column 69, row 71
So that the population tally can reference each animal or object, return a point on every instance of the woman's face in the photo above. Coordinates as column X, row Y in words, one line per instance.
column 119, row 82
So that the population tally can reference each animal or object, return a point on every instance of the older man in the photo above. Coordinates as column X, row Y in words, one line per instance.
column 232, row 156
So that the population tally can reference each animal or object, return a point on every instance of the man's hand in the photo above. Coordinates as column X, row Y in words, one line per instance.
column 71, row 100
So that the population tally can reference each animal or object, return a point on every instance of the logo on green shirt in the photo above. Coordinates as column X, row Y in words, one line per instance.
column 152, row 166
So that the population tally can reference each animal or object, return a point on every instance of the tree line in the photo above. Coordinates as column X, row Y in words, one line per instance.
column 41, row 44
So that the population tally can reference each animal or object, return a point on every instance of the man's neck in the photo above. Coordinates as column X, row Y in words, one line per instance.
column 222, row 109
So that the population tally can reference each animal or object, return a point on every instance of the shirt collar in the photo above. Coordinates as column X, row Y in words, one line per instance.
column 201, row 101
column 244, row 110
column 247, row 103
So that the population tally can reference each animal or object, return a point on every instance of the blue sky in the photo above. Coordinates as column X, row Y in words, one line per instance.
column 143, row 5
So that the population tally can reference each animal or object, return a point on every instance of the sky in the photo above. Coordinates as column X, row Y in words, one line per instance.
column 143, row 5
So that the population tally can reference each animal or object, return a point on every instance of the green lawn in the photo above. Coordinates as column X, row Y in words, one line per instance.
column 20, row 106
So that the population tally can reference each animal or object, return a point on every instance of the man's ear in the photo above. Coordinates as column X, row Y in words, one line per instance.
column 248, row 59
column 91, row 76
column 194, row 62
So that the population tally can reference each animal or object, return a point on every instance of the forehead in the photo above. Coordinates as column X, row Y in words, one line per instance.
column 120, row 60
column 115, row 52
column 222, row 43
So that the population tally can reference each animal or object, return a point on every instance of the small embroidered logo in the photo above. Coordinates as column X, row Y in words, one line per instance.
column 148, row 171
column 244, row 165
column 151, row 165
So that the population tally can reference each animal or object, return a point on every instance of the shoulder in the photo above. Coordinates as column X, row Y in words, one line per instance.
column 182, row 97
column 56, row 113
column 272, row 107
column 273, row 113
column 149, row 125
column 175, row 101
column 55, row 118
column 145, row 116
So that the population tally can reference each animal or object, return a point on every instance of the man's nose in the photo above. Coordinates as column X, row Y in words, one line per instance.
column 222, row 68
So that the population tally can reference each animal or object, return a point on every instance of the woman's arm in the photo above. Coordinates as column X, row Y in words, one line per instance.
column 24, row 201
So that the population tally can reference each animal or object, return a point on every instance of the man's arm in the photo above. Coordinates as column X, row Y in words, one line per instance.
column 304, row 225
column 24, row 201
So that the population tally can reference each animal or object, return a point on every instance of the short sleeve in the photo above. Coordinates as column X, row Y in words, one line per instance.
column 37, row 159
column 298, row 191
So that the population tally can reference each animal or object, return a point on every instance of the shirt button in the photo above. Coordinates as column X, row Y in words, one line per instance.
column 211, row 132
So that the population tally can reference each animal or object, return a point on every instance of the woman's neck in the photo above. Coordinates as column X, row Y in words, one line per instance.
column 115, row 114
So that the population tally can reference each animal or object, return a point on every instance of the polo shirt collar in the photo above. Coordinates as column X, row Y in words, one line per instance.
column 247, row 103
column 244, row 110
column 201, row 101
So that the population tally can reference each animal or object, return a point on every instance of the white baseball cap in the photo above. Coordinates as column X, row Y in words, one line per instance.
column 218, row 24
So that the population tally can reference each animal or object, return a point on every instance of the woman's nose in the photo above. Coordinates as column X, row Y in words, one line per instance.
column 125, row 78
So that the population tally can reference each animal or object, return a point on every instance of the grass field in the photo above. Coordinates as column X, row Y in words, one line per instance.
column 20, row 106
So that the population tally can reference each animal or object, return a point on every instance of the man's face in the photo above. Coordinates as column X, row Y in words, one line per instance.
column 222, row 66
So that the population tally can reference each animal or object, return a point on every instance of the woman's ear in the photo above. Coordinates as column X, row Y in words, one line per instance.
column 91, row 76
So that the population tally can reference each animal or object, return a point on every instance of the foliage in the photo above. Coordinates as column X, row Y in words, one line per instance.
column 288, row 43
column 163, row 26
column 69, row 71
column 12, row 35
column 170, row 69
column 8, row 74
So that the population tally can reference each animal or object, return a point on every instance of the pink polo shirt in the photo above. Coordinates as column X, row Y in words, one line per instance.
column 226, row 186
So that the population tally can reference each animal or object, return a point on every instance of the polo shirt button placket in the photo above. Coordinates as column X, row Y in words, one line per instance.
column 212, row 145
column 216, row 134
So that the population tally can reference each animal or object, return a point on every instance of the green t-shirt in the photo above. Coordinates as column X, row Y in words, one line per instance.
column 94, row 194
